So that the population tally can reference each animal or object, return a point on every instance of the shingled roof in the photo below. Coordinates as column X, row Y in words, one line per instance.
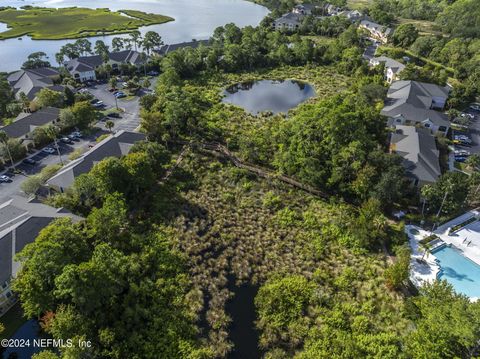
column 26, row 123
column 113, row 146
column 31, row 81
column 20, row 223
column 419, row 151
column 413, row 100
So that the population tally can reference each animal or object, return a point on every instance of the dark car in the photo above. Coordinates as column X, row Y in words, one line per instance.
column 5, row 179
column 29, row 161
column 73, row 138
column 113, row 115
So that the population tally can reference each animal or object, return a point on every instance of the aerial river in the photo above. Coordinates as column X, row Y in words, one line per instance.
column 194, row 19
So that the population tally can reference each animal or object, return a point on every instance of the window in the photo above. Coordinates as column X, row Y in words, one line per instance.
column 427, row 125
column 398, row 120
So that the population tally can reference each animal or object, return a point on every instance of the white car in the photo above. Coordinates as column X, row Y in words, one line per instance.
column 48, row 150
column 461, row 153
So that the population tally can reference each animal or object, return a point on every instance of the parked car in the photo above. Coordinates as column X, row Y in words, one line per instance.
column 152, row 73
column 77, row 134
column 124, row 84
column 462, row 138
column 5, row 179
column 120, row 95
column 461, row 152
column 66, row 140
column 475, row 107
column 461, row 158
column 29, row 161
column 48, row 150
column 73, row 138
column 113, row 115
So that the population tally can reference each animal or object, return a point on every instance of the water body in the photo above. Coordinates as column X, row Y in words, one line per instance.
column 243, row 333
column 30, row 330
column 194, row 19
column 268, row 95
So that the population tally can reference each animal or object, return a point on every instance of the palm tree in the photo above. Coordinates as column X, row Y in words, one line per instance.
column 25, row 101
column 426, row 249
column 52, row 132
column 4, row 141
column 473, row 162
column 109, row 125
column 135, row 36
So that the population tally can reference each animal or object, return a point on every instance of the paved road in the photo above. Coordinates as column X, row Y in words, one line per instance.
column 370, row 50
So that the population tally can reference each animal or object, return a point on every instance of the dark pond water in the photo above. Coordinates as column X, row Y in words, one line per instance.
column 268, row 95
column 194, row 19
column 242, row 330
column 29, row 330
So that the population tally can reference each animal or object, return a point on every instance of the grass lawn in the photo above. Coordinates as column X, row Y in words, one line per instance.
column 424, row 27
column 358, row 4
column 71, row 23
column 12, row 320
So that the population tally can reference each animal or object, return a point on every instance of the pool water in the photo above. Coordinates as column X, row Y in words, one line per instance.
column 459, row 271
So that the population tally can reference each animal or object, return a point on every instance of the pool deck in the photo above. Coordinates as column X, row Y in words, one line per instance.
column 426, row 271
column 461, row 238
column 421, row 272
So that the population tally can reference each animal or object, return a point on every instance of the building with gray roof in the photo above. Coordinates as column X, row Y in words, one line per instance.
column 117, row 145
column 21, row 221
column 377, row 31
column 166, row 49
column 31, row 81
column 419, row 151
column 288, row 22
column 413, row 102
column 22, row 128
column 392, row 67
column 83, row 68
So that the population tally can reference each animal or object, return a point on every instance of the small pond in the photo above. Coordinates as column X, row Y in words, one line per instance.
column 268, row 95
column 30, row 330
column 3, row 27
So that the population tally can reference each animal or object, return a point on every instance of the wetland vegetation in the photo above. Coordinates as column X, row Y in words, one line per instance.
column 73, row 22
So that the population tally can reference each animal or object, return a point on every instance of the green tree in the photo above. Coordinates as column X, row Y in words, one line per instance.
column 117, row 44
column 135, row 38
column 4, row 140
column 36, row 60
column 50, row 98
column 405, row 35
column 109, row 125
column 446, row 324
column 151, row 40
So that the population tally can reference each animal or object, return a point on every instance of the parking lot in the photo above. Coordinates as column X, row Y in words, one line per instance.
column 42, row 160
column 130, row 107
column 472, row 132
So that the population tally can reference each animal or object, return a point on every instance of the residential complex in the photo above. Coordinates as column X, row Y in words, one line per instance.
column 21, row 221
column 116, row 145
column 31, row 81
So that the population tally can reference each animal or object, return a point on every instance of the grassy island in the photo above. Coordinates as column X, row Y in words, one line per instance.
column 73, row 22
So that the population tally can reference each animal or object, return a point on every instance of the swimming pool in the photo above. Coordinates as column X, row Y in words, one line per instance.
column 459, row 271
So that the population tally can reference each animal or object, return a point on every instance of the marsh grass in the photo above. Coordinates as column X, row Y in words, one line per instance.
column 226, row 228
column 73, row 22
